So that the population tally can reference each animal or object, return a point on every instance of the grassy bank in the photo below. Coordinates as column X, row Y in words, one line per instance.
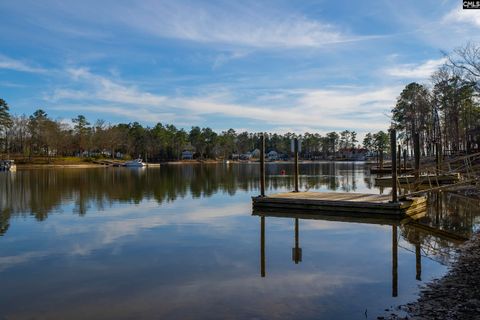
column 42, row 162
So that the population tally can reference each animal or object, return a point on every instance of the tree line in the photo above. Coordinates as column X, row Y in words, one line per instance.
column 446, row 113
column 39, row 135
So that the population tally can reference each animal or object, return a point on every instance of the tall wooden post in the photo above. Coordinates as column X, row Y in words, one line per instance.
column 399, row 159
column 380, row 157
column 262, row 165
column 296, row 163
column 262, row 247
column 394, row 262
column 416, row 150
column 393, row 148
column 437, row 158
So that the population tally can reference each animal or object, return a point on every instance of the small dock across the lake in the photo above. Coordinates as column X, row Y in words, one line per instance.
column 387, row 170
column 426, row 179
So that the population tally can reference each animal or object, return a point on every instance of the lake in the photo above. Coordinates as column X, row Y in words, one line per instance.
column 180, row 242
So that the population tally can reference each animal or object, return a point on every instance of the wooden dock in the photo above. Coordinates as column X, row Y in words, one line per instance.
column 359, row 203
column 388, row 170
column 341, row 203
column 429, row 179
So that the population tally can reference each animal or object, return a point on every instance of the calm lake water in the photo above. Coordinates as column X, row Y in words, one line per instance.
column 180, row 242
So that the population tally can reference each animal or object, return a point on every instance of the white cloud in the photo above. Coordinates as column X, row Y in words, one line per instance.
column 108, row 90
column 461, row 16
column 416, row 71
column 250, row 25
column 131, row 113
column 223, row 58
column 361, row 108
column 17, row 65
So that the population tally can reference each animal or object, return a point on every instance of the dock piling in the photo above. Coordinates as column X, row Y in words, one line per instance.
column 416, row 151
column 399, row 159
column 296, row 163
column 262, row 165
column 380, row 157
column 393, row 147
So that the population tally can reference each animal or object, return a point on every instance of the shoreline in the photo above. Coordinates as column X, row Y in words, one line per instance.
column 84, row 165
column 454, row 296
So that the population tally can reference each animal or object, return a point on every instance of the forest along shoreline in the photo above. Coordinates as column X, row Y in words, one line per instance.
column 102, row 163
column 77, row 162
column 455, row 296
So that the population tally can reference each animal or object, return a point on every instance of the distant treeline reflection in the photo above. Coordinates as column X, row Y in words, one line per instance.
column 39, row 192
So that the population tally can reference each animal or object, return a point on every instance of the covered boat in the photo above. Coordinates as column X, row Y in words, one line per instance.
column 137, row 163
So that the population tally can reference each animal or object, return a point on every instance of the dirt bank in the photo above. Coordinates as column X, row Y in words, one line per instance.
column 455, row 296
column 63, row 166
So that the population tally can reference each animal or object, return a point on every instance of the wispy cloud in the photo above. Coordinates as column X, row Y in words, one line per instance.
column 224, row 58
column 416, row 71
column 17, row 65
column 246, row 24
column 340, row 108
column 108, row 90
column 465, row 17
column 129, row 112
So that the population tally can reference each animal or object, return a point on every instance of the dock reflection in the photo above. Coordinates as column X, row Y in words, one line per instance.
column 427, row 241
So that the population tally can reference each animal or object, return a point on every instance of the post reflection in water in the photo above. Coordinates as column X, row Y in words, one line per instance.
column 418, row 257
column 394, row 261
column 297, row 251
column 262, row 247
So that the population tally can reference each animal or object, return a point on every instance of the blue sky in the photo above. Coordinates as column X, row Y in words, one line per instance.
column 275, row 66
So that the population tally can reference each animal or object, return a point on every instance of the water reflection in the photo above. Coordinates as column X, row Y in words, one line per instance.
column 180, row 242
column 297, row 251
column 40, row 192
column 428, row 234
column 394, row 261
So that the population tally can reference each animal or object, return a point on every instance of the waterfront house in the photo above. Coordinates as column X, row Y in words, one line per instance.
column 272, row 155
column 353, row 154
column 187, row 155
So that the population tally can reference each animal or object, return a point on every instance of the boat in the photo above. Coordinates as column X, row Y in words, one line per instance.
column 7, row 165
column 137, row 163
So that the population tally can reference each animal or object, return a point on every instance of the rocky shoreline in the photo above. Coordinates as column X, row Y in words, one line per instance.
column 455, row 296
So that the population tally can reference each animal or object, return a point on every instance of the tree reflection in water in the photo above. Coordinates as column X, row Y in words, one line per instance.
column 41, row 192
